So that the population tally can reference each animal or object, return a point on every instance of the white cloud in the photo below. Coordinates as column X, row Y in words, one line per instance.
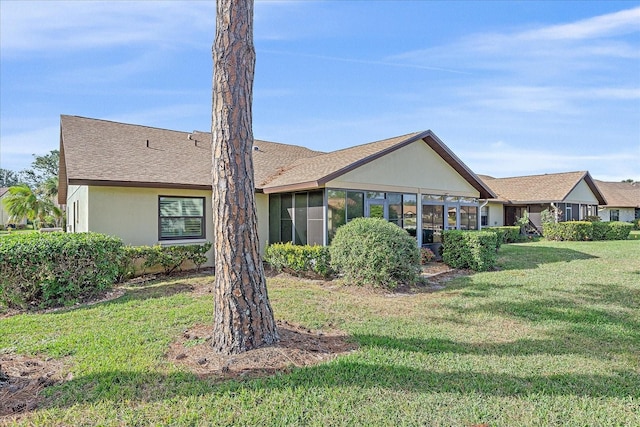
column 70, row 25
column 501, row 159
column 623, row 22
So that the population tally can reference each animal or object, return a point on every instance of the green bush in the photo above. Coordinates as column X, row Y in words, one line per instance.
column 570, row 230
column 618, row 230
column 475, row 250
column 170, row 258
column 376, row 252
column 506, row 234
column 300, row 260
column 599, row 230
column 583, row 230
column 53, row 269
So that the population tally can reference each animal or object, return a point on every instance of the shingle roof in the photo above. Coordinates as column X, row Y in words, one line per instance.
column 317, row 171
column 553, row 187
column 100, row 151
column 620, row 194
column 3, row 190
column 97, row 152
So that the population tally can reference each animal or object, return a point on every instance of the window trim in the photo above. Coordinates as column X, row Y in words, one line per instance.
column 203, row 228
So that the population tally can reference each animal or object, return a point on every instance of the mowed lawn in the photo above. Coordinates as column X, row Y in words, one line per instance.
column 551, row 339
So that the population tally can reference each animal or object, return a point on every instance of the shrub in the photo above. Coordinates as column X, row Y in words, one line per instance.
column 299, row 260
column 506, row 234
column 169, row 258
column 583, row 230
column 618, row 230
column 599, row 230
column 570, row 230
column 426, row 255
column 469, row 249
column 54, row 269
column 376, row 252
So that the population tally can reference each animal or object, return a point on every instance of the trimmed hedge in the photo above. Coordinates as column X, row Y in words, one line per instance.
column 376, row 252
column 52, row 269
column 475, row 250
column 299, row 260
column 583, row 230
column 506, row 234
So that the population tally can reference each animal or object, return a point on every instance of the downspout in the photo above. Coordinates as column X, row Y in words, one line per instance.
column 486, row 202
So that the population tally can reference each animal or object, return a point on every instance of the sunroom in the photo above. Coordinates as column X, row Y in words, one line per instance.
column 313, row 217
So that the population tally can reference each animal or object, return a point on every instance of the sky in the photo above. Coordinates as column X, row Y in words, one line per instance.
column 513, row 88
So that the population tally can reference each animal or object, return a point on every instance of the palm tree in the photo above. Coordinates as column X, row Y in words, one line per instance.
column 22, row 202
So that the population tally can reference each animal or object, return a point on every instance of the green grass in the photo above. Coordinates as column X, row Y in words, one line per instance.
column 552, row 338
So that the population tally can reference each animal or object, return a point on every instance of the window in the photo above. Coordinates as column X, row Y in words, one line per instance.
column 568, row 212
column 336, row 211
column 297, row 218
column 468, row 217
column 484, row 216
column 614, row 215
column 432, row 223
column 180, row 218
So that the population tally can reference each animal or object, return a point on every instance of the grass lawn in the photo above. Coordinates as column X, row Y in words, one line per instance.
column 552, row 338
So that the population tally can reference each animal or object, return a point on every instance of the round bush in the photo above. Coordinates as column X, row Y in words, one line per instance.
column 376, row 252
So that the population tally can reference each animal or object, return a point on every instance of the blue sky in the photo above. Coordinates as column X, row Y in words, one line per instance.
column 513, row 88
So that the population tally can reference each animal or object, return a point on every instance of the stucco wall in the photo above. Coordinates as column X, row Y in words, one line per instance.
column 496, row 214
column 77, row 208
column 581, row 194
column 412, row 169
column 262, row 210
column 132, row 213
column 626, row 214
column 4, row 215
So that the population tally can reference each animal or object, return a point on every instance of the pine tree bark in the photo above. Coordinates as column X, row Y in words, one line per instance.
column 243, row 318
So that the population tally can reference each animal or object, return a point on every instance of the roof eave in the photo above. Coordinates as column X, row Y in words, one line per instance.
column 309, row 185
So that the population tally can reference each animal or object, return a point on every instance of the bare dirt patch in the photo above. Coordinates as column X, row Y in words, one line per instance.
column 22, row 379
column 298, row 347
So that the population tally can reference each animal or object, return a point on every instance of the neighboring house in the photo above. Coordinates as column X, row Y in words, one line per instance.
column 572, row 196
column 4, row 215
column 623, row 201
column 148, row 185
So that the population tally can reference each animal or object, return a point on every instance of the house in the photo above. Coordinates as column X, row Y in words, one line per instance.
column 148, row 185
column 572, row 196
column 4, row 215
column 623, row 201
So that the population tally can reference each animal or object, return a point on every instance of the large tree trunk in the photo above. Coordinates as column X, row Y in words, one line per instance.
column 243, row 318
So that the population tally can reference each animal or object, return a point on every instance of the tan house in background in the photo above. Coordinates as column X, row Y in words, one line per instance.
column 4, row 215
column 623, row 201
column 148, row 185
column 573, row 195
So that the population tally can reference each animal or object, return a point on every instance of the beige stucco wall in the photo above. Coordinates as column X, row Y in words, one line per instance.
column 132, row 213
column 581, row 194
column 4, row 215
column 262, row 211
column 496, row 214
column 415, row 168
column 78, row 216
